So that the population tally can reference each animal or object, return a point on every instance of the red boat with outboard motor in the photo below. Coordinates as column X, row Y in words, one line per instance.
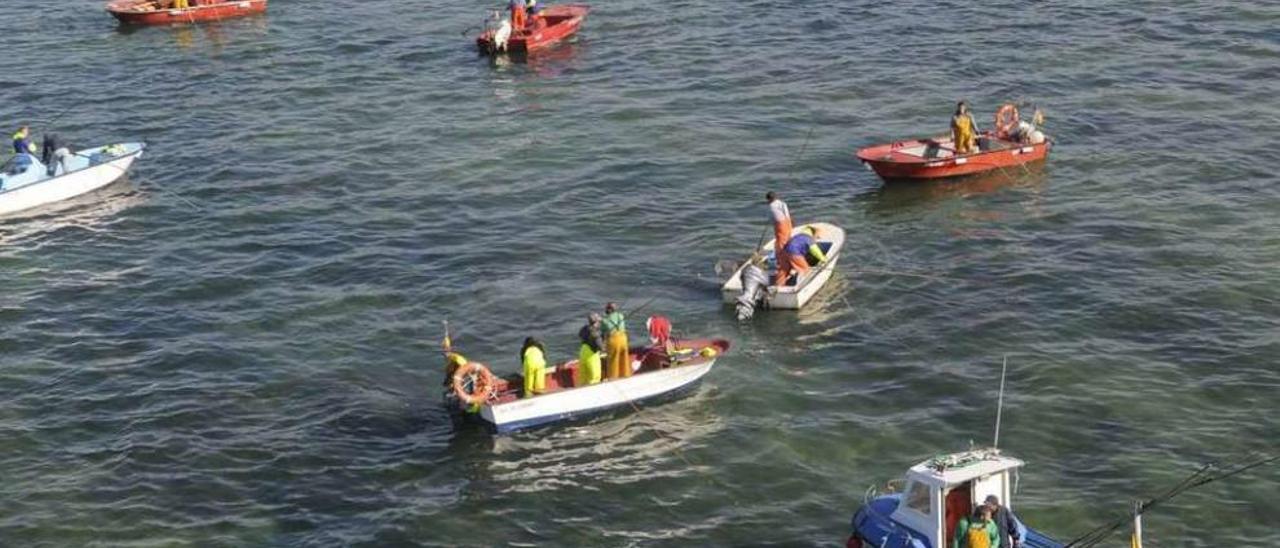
column 551, row 25
column 1013, row 144
column 162, row 12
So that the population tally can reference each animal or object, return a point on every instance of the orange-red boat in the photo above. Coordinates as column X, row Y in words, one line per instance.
column 1011, row 145
column 550, row 26
column 157, row 12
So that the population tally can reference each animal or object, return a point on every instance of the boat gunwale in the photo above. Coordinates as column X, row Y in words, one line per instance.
column 888, row 158
column 141, row 148
column 798, row 288
column 111, row 7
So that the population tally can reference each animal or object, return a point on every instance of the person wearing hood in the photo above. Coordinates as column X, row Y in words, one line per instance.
column 589, row 353
column 534, row 357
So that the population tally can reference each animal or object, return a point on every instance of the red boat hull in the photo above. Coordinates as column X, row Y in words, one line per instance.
column 562, row 21
column 143, row 12
column 930, row 159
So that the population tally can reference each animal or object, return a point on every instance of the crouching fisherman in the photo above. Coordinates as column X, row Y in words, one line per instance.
column 589, row 353
column 797, row 253
column 56, row 153
column 534, row 357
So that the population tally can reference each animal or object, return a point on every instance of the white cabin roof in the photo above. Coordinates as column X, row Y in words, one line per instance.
column 957, row 468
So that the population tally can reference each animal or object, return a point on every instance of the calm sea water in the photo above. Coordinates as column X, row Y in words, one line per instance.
column 238, row 347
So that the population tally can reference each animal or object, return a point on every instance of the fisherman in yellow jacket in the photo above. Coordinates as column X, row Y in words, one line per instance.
column 534, row 356
column 589, row 353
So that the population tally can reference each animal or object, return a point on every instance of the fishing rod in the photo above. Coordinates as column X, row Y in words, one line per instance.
column 790, row 174
column 1200, row 477
column 122, row 171
column 642, row 306
column 48, row 125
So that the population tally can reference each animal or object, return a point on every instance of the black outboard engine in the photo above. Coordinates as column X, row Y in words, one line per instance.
column 754, row 285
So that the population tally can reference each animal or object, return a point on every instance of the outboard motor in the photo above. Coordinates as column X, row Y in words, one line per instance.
column 754, row 285
column 501, row 28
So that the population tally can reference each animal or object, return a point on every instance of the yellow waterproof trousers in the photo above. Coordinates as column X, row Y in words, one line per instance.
column 588, row 366
column 962, row 134
column 535, row 372
column 619, row 358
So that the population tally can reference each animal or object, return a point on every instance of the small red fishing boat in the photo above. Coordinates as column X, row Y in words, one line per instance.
column 550, row 26
column 159, row 12
column 1014, row 143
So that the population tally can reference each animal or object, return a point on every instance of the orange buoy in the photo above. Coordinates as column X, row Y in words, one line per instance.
column 1006, row 120
column 473, row 383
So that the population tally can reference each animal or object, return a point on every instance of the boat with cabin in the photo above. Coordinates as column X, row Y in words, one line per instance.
column 26, row 182
column 552, row 25
column 936, row 493
column 752, row 283
column 161, row 12
column 657, row 376
column 1013, row 144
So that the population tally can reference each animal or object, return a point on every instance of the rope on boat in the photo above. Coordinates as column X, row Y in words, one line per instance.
column 1200, row 477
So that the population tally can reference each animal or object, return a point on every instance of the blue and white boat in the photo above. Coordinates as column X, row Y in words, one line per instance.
column 657, row 377
column 935, row 495
column 26, row 182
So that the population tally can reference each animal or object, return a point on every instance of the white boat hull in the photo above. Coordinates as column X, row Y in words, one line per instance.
column 596, row 398
column 65, row 187
column 793, row 297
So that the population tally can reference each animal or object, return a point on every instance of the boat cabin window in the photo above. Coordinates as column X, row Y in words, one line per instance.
column 917, row 498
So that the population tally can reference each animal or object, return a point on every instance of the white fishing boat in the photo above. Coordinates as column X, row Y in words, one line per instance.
column 26, row 182
column 935, row 495
column 657, row 376
column 797, row 290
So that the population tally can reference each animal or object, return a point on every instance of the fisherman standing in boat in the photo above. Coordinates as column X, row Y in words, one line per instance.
column 795, row 255
column 977, row 531
column 534, row 356
column 590, row 351
column 22, row 141
column 781, row 217
column 517, row 9
column 963, row 129
column 614, row 327
column 536, row 21
column 1005, row 522
column 661, row 349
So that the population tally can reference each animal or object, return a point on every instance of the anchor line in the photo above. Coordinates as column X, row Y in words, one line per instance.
column 123, row 171
column 1201, row 476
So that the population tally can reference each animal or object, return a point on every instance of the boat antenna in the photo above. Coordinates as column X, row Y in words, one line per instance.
column 995, row 444
column 1137, row 524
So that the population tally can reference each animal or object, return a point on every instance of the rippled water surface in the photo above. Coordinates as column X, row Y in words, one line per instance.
column 238, row 347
